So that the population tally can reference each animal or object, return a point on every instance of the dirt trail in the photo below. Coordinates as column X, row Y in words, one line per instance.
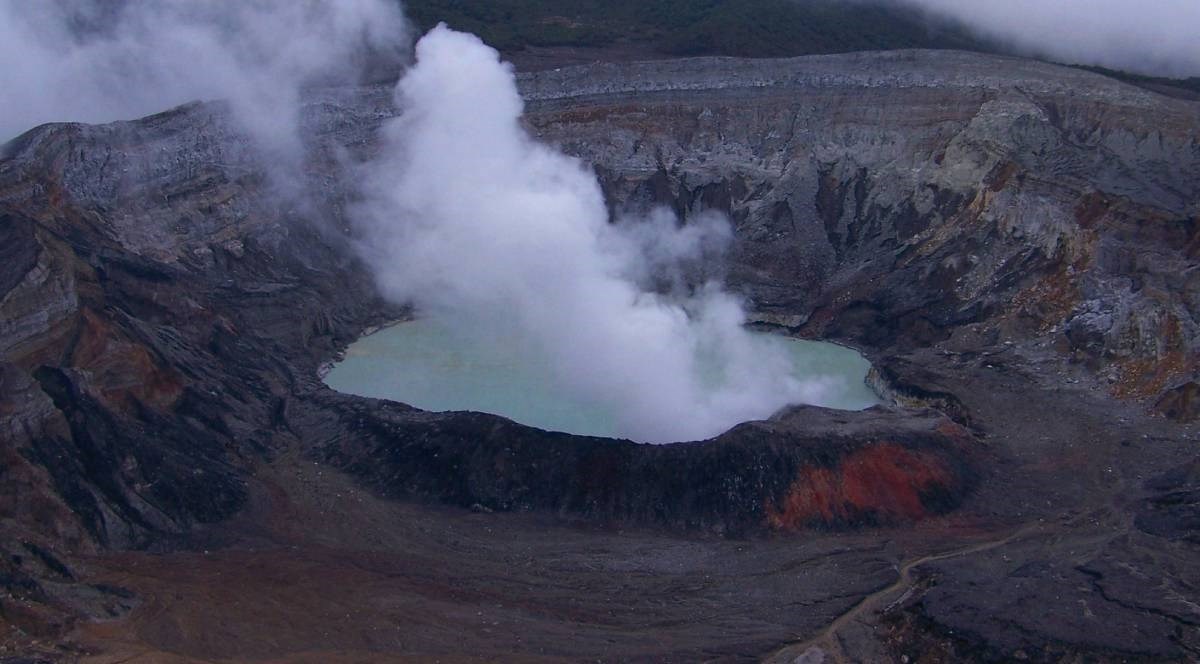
column 827, row 642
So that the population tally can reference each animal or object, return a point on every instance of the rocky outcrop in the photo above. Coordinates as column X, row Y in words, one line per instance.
column 1181, row 404
column 1172, row 509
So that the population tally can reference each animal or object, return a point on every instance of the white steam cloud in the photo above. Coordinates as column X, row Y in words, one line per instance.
column 1156, row 37
column 483, row 228
column 104, row 60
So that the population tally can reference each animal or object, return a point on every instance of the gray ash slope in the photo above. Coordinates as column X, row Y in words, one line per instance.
column 1014, row 244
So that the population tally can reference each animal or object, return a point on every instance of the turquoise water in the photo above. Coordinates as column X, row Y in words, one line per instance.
column 421, row 364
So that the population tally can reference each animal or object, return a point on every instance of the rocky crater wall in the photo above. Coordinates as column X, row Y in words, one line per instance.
column 895, row 200
column 165, row 313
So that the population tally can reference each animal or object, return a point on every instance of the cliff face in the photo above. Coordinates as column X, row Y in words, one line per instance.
column 977, row 225
column 897, row 200
column 123, row 238
column 147, row 283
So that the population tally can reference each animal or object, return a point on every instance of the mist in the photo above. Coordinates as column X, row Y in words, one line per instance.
column 471, row 220
column 104, row 60
column 1158, row 38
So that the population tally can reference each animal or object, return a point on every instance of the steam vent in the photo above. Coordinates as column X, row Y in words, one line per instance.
column 329, row 333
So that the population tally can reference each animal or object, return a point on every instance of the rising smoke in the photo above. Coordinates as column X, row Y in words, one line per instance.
column 494, row 234
column 1155, row 37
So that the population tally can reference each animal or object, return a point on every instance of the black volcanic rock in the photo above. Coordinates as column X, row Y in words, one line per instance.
column 1182, row 403
column 738, row 482
column 1172, row 510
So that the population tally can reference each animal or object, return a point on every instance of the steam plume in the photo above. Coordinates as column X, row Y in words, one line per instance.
column 489, row 231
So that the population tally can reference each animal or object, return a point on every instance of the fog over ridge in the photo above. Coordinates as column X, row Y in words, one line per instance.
column 104, row 60
column 1153, row 37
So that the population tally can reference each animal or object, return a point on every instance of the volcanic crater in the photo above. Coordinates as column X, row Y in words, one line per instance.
column 1010, row 243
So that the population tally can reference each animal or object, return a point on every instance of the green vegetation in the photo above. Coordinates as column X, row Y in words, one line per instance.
column 754, row 28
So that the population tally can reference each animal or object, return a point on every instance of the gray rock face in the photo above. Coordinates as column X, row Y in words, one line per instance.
column 37, row 297
column 892, row 198
column 915, row 191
